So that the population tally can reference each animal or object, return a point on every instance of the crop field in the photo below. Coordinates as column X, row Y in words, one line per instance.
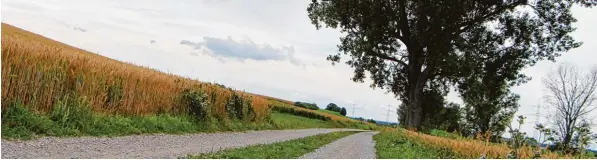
column 109, row 86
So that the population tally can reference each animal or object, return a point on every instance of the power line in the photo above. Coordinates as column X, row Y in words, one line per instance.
column 388, row 113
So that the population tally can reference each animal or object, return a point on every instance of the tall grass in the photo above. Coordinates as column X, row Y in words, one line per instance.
column 38, row 72
column 470, row 148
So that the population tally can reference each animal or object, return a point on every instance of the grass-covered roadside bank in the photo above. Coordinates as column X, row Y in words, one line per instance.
column 401, row 143
column 20, row 122
column 280, row 150
column 72, row 118
column 391, row 144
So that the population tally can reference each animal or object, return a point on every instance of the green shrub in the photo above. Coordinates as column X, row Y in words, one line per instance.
column 197, row 104
column 240, row 108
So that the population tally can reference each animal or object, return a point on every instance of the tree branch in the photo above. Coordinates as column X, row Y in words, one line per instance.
column 386, row 57
column 469, row 24
column 404, row 27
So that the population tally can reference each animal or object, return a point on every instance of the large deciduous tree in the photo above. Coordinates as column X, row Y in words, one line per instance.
column 573, row 94
column 485, row 75
column 405, row 44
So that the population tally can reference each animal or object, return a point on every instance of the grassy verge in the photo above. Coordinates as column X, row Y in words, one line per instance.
column 395, row 145
column 73, row 119
column 281, row 150
column 21, row 122
column 401, row 143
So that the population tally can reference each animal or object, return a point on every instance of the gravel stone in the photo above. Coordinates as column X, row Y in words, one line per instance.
column 356, row 146
column 147, row 146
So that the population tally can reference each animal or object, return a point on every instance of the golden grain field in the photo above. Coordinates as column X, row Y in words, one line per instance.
column 38, row 71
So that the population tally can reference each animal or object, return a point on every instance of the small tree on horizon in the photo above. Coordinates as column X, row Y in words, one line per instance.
column 333, row 107
column 343, row 111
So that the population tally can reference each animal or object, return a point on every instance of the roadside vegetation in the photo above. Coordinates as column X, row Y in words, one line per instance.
column 280, row 150
column 390, row 142
column 396, row 145
column 72, row 116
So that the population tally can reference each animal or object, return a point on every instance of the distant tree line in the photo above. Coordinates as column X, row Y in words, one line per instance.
column 365, row 120
column 311, row 106
column 333, row 107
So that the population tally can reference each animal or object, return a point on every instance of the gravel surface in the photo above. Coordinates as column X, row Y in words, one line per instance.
column 146, row 146
column 356, row 146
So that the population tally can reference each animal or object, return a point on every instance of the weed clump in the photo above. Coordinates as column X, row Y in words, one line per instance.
column 197, row 104
column 240, row 108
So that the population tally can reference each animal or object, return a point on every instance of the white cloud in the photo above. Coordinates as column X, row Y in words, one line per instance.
column 121, row 29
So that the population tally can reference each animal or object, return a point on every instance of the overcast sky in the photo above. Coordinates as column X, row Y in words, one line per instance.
column 266, row 47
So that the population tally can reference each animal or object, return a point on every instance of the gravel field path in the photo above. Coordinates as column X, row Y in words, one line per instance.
column 147, row 146
column 356, row 146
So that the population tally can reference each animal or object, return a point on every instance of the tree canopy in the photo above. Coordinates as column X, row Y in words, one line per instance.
column 405, row 46
column 333, row 107
column 343, row 111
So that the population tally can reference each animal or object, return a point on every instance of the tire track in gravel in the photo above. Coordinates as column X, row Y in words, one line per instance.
column 356, row 146
column 147, row 146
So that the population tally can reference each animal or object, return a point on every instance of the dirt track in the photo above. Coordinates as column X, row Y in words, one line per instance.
column 147, row 146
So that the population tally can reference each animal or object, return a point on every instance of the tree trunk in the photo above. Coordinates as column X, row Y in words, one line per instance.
column 416, row 115
column 416, row 82
column 566, row 142
column 570, row 123
column 415, row 108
